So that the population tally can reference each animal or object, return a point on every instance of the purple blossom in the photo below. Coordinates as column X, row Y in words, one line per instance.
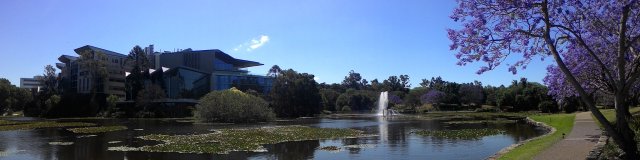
column 394, row 99
column 433, row 96
column 595, row 43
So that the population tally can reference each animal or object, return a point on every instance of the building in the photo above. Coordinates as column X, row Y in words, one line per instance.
column 33, row 84
column 79, row 78
column 192, row 73
column 184, row 74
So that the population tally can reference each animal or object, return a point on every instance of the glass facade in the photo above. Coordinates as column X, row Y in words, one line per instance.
column 185, row 83
column 259, row 83
column 222, row 66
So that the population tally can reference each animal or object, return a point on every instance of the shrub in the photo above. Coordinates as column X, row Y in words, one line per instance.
column 358, row 100
column 346, row 109
column 233, row 106
column 487, row 108
column 548, row 107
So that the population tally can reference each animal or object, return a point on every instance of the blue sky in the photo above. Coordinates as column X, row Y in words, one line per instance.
column 326, row 38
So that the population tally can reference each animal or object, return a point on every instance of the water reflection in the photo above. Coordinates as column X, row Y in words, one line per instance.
column 383, row 126
column 394, row 140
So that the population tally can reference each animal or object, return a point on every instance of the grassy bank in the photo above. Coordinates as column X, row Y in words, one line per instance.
column 563, row 123
column 610, row 114
column 610, row 150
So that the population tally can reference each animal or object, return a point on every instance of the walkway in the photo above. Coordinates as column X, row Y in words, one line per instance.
column 576, row 145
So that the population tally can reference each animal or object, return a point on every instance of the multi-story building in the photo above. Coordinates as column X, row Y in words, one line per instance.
column 33, row 84
column 79, row 76
column 195, row 72
column 182, row 74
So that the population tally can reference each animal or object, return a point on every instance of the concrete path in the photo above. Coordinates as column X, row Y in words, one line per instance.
column 578, row 143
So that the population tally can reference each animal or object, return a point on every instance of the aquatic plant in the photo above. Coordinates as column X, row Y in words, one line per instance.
column 6, row 122
column 100, row 129
column 42, row 124
column 460, row 134
column 497, row 121
column 330, row 148
column 226, row 140
column 61, row 143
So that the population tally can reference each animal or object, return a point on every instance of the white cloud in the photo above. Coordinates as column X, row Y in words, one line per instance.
column 253, row 44
column 316, row 78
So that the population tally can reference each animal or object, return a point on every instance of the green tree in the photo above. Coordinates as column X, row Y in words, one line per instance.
column 49, row 80
column 5, row 94
column 412, row 99
column 353, row 80
column 295, row 94
column 145, row 97
column 233, row 106
column 93, row 64
column 357, row 100
column 329, row 97
column 139, row 71
column 274, row 71
column 50, row 103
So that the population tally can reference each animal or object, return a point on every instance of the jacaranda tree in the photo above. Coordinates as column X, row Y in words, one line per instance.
column 605, row 33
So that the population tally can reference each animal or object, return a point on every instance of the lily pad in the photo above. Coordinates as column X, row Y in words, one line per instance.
column 100, row 129
column 227, row 140
column 61, row 143
column 461, row 133
column 42, row 124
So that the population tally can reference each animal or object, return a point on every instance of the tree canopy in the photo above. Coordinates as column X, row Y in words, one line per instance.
column 295, row 94
column 604, row 33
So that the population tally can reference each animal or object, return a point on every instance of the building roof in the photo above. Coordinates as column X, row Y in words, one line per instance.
column 96, row 49
column 67, row 58
column 60, row 65
column 185, row 68
column 236, row 62
column 240, row 63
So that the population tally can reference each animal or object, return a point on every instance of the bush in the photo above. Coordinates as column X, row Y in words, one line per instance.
column 425, row 108
column 548, row 107
column 487, row 108
column 358, row 100
column 346, row 109
column 233, row 106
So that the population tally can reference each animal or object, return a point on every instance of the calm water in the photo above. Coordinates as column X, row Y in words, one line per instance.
column 394, row 140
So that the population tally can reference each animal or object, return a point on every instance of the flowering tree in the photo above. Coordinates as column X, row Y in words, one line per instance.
column 395, row 99
column 433, row 97
column 602, row 35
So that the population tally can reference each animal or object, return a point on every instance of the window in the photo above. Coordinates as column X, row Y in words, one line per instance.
column 221, row 65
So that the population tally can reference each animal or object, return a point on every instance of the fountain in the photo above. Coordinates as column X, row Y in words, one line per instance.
column 382, row 103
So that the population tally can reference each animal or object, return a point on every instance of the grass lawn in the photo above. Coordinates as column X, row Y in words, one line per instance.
column 563, row 123
column 610, row 114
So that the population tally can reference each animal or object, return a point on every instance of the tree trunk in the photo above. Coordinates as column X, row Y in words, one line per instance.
column 622, row 136
column 628, row 144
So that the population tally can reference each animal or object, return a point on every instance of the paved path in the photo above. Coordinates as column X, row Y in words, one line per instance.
column 576, row 145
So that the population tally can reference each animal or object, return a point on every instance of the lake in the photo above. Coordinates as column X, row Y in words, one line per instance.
column 394, row 138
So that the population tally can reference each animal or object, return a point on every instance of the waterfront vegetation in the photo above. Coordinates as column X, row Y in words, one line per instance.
column 16, row 125
column 233, row 106
column 460, row 133
column 99, row 129
column 496, row 121
column 563, row 123
column 225, row 140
